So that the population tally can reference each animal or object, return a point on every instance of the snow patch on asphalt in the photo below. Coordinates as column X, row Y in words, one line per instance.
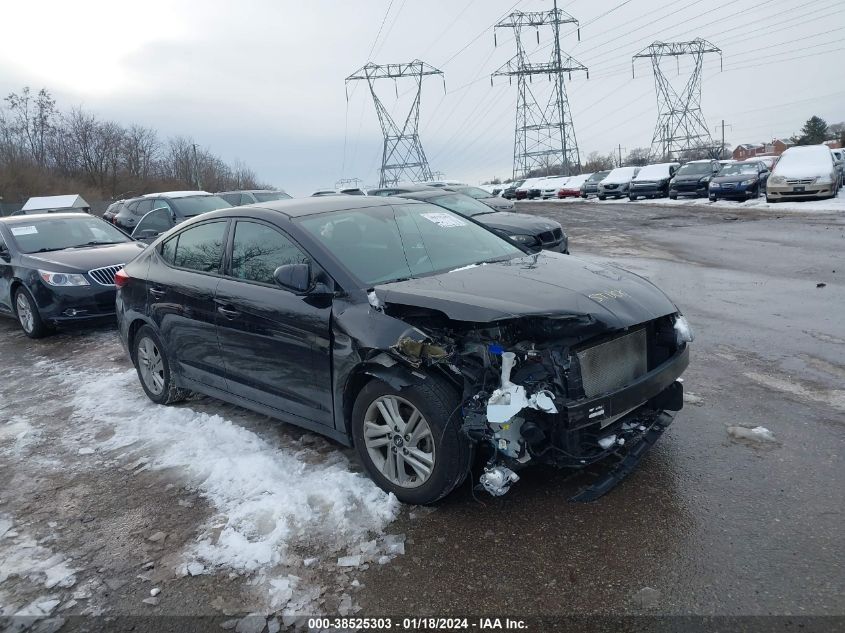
column 21, row 557
column 757, row 434
column 16, row 434
column 268, row 499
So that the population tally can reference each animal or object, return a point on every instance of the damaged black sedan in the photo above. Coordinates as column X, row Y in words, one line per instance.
column 412, row 333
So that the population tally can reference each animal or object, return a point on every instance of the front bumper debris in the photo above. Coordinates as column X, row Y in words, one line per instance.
column 627, row 458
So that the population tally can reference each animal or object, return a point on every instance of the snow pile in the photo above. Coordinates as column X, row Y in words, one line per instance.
column 267, row 498
column 16, row 434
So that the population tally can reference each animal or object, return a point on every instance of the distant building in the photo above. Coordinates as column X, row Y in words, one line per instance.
column 749, row 150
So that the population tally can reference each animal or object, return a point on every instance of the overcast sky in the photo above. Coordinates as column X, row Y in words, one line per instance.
column 262, row 81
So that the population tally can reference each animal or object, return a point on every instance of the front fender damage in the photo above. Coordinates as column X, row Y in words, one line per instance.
column 522, row 379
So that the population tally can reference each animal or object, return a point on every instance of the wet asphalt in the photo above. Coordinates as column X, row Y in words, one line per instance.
column 708, row 524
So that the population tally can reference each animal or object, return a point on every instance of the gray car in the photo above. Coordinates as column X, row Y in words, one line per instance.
column 495, row 202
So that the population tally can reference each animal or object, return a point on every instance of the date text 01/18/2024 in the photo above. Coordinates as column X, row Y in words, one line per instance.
column 418, row 624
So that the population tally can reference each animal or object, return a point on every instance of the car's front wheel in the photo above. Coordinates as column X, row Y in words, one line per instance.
column 28, row 316
column 153, row 368
column 409, row 441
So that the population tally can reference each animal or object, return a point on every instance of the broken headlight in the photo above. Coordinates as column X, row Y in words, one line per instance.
column 683, row 331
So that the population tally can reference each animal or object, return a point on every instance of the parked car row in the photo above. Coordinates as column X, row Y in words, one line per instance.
column 813, row 171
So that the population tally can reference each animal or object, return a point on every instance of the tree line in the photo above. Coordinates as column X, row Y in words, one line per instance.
column 48, row 151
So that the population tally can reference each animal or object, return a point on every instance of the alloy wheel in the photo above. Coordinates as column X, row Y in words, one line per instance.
column 399, row 441
column 151, row 365
column 25, row 315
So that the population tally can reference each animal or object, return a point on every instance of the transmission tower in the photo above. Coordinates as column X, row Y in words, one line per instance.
column 403, row 158
column 544, row 136
column 680, row 124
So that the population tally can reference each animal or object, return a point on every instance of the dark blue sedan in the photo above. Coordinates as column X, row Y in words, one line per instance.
column 739, row 181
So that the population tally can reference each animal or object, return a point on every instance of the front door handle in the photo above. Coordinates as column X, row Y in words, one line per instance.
column 158, row 293
column 229, row 313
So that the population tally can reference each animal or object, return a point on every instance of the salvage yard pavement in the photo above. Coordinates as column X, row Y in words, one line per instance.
column 111, row 505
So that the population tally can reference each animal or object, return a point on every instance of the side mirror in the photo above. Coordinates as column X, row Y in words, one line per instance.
column 295, row 277
column 5, row 255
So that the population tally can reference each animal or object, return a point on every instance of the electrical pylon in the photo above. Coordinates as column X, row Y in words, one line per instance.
column 544, row 137
column 680, row 127
column 403, row 158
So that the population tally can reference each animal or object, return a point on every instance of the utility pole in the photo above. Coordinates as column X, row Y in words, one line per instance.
column 620, row 154
column 544, row 131
column 680, row 123
column 722, row 146
column 197, row 183
column 402, row 155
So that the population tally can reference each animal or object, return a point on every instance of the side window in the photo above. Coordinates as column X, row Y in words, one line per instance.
column 258, row 250
column 232, row 198
column 168, row 250
column 143, row 208
column 131, row 207
column 161, row 203
column 199, row 247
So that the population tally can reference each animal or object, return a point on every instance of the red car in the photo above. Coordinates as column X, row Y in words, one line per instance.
column 572, row 188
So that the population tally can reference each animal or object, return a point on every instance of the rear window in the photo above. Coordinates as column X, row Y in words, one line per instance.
column 194, row 205
column 268, row 196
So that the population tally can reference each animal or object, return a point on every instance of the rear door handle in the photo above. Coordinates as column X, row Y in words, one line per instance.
column 158, row 293
column 229, row 313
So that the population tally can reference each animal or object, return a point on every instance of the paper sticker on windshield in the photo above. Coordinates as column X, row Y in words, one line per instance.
column 24, row 230
column 444, row 219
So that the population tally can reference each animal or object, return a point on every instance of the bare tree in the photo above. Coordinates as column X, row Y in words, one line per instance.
column 32, row 120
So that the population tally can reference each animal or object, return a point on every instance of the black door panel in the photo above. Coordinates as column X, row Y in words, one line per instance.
column 275, row 345
column 181, row 286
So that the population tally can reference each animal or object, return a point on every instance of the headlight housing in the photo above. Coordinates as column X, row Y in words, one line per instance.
column 777, row 180
column 715, row 185
column 748, row 182
column 683, row 331
column 62, row 279
column 525, row 240
column 704, row 179
column 824, row 180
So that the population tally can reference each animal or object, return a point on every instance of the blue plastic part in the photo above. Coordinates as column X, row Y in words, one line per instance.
column 495, row 348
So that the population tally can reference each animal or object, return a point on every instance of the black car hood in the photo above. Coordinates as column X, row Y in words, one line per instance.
column 497, row 203
column 516, row 222
column 84, row 259
column 691, row 177
column 546, row 284
column 734, row 178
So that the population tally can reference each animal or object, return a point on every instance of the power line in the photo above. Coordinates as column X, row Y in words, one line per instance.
column 375, row 41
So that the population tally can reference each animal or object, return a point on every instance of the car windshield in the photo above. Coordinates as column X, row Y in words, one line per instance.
column 692, row 169
column 40, row 235
column 738, row 169
column 267, row 196
column 474, row 192
column 402, row 241
column 599, row 175
column 461, row 204
column 190, row 206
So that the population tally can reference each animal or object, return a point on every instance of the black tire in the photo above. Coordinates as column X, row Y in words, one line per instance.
column 28, row 316
column 438, row 402
column 602, row 197
column 632, row 198
column 671, row 197
column 584, row 195
column 712, row 198
column 168, row 393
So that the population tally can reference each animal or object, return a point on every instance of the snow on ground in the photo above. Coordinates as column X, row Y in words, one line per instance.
column 23, row 558
column 275, row 505
column 836, row 205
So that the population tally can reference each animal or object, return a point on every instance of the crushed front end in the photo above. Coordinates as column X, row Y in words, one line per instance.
column 560, row 390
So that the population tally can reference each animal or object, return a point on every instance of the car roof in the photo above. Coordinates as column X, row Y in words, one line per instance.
column 176, row 194
column 23, row 219
column 301, row 207
column 251, row 191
